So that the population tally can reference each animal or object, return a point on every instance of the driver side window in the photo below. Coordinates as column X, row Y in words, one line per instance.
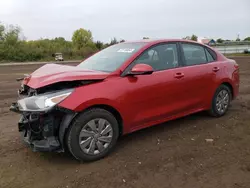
column 153, row 55
column 160, row 57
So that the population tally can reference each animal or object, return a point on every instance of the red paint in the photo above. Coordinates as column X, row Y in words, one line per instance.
column 145, row 100
column 142, row 68
column 52, row 73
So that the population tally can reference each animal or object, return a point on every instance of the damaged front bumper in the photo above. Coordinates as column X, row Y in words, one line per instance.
column 44, row 130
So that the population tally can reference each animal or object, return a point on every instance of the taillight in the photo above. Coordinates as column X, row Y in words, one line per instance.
column 236, row 65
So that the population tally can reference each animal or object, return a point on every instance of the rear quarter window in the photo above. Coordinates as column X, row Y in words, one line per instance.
column 209, row 56
column 212, row 53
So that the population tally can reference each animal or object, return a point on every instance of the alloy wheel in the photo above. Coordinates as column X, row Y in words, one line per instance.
column 222, row 101
column 95, row 136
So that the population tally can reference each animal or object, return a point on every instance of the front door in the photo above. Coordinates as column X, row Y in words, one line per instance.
column 151, row 98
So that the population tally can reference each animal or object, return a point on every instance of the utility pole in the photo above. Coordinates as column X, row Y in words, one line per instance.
column 238, row 37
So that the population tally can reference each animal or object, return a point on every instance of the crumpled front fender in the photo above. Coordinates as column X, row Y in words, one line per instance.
column 64, row 126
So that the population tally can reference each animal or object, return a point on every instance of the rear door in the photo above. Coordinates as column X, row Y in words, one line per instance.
column 200, row 75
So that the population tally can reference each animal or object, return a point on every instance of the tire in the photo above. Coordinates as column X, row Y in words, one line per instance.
column 214, row 111
column 81, row 124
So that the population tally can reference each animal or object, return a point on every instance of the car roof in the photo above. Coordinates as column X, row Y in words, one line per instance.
column 155, row 41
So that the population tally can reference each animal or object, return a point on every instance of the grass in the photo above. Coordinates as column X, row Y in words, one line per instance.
column 49, row 59
column 237, row 54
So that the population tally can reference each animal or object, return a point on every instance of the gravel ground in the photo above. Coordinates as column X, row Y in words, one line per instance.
column 174, row 154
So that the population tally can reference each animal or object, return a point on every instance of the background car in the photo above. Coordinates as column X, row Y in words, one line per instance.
column 119, row 90
column 58, row 57
column 246, row 51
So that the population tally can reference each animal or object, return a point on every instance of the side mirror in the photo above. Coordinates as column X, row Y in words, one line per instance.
column 141, row 69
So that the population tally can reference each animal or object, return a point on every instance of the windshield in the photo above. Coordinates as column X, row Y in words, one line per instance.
column 111, row 58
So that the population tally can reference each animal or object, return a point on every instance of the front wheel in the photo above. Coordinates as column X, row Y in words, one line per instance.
column 92, row 135
column 221, row 101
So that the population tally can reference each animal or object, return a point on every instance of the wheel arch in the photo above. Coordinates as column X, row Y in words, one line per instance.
column 69, row 118
column 229, row 85
column 113, row 111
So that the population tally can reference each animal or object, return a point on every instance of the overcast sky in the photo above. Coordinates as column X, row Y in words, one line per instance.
column 128, row 19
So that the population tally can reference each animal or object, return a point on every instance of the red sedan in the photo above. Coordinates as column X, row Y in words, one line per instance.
column 121, row 89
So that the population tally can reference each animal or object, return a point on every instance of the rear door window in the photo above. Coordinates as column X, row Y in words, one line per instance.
column 194, row 54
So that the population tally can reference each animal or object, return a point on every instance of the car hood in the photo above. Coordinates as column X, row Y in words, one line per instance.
column 53, row 73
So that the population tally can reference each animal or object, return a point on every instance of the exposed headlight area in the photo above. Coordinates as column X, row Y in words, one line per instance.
column 40, row 120
column 43, row 102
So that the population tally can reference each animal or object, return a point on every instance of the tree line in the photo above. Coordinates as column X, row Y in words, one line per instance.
column 219, row 40
column 13, row 47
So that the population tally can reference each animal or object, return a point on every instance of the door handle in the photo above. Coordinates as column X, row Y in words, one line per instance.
column 179, row 75
column 216, row 69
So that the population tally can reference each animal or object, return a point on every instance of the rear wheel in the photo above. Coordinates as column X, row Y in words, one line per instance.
column 92, row 135
column 221, row 101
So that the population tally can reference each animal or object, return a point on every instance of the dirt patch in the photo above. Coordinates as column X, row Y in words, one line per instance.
column 175, row 154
